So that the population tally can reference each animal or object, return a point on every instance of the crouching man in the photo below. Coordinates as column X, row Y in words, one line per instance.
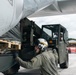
column 45, row 59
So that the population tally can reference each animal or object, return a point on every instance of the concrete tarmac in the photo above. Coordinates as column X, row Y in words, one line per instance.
column 71, row 70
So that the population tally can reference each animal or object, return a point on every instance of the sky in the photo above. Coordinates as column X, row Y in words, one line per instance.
column 68, row 21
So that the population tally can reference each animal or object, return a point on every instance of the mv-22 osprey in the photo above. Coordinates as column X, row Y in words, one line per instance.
column 14, row 12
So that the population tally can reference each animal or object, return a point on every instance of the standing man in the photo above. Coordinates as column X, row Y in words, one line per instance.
column 45, row 59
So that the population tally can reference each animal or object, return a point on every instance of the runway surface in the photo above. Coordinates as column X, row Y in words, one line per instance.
column 69, row 71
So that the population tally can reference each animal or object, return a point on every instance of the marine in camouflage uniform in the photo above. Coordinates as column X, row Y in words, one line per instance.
column 45, row 61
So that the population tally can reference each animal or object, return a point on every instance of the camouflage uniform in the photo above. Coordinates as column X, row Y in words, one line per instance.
column 45, row 61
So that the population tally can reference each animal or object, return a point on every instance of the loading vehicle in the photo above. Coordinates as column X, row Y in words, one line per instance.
column 57, row 37
column 55, row 34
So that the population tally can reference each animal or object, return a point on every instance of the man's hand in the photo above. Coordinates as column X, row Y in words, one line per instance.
column 15, row 54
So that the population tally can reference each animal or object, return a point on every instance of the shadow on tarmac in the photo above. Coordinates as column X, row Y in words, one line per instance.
column 26, row 74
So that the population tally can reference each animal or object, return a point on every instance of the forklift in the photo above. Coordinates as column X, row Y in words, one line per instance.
column 55, row 34
column 57, row 37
